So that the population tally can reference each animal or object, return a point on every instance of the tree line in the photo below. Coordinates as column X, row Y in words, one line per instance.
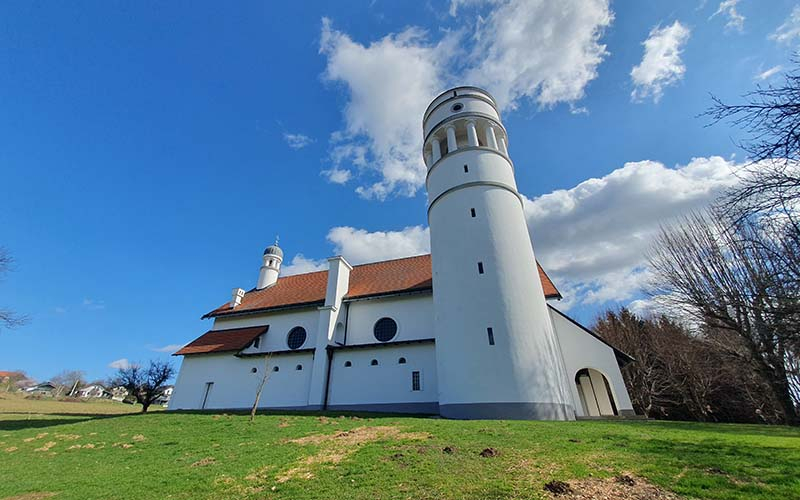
column 723, row 343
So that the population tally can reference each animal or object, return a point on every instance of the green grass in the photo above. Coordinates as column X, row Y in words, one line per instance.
column 197, row 455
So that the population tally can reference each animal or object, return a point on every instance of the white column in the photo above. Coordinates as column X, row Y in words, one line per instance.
column 472, row 134
column 436, row 150
column 451, row 139
column 503, row 147
column 491, row 139
column 338, row 284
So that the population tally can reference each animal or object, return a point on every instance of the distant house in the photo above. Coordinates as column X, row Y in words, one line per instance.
column 45, row 389
column 94, row 391
column 118, row 393
column 163, row 400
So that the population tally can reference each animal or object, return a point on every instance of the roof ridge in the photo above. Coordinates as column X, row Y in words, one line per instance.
column 392, row 260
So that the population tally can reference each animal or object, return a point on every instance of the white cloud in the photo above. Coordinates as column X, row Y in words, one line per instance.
column 389, row 83
column 297, row 141
column 727, row 8
column 170, row 348
column 94, row 304
column 337, row 175
column 592, row 238
column 359, row 245
column 120, row 364
column 300, row 265
column 789, row 30
column 518, row 49
column 539, row 49
column 765, row 75
column 661, row 65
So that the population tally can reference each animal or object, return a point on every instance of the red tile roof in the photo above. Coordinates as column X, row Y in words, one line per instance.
column 366, row 280
column 234, row 339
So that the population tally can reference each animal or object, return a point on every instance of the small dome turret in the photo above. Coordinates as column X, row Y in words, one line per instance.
column 274, row 250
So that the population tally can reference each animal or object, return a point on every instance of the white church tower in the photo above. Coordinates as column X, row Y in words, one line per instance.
column 496, row 350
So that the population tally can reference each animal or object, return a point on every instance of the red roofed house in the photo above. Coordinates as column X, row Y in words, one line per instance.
column 465, row 332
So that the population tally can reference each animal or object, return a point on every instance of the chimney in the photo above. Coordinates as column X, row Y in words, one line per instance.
column 238, row 295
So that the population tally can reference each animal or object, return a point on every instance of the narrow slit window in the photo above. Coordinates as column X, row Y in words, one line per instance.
column 415, row 385
column 257, row 342
column 472, row 212
column 466, row 168
column 490, row 333
column 480, row 267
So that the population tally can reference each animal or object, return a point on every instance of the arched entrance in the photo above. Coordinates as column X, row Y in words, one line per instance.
column 595, row 393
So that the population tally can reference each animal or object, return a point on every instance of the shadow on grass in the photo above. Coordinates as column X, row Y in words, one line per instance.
column 39, row 421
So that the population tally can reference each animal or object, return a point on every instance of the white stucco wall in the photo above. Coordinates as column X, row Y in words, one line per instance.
column 413, row 315
column 389, row 382
column 582, row 350
column 235, row 385
column 280, row 323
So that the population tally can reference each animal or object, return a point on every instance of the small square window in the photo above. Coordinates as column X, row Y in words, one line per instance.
column 480, row 267
column 415, row 382
column 490, row 332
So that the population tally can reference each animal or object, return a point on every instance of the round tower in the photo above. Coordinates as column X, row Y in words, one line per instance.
column 270, row 267
column 497, row 355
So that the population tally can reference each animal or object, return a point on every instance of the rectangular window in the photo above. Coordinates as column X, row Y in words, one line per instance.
column 490, row 332
column 257, row 342
column 209, row 385
column 415, row 381
column 472, row 212
column 480, row 267
column 466, row 169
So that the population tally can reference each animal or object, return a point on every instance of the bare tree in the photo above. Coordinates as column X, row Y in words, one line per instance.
column 8, row 319
column 264, row 379
column 682, row 376
column 146, row 385
column 67, row 380
column 729, row 276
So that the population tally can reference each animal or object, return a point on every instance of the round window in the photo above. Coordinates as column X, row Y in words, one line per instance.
column 457, row 107
column 385, row 329
column 296, row 338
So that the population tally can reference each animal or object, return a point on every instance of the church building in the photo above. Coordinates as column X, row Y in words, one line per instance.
column 468, row 331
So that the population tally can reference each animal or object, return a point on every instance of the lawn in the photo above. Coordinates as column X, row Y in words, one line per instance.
column 200, row 455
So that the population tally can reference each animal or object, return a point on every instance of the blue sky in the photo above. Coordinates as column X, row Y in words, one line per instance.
column 150, row 151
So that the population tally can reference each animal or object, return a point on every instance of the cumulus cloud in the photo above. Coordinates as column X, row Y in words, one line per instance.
column 727, row 8
column 300, row 265
column 359, row 245
column 297, row 141
column 592, row 238
column 120, row 364
column 661, row 64
column 789, row 30
column 765, row 75
column 540, row 50
column 389, row 83
column 337, row 175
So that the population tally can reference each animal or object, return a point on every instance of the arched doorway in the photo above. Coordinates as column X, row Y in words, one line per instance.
column 595, row 393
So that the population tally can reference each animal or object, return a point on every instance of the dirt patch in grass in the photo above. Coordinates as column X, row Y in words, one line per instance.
column 336, row 447
column 623, row 487
column 138, row 438
column 32, row 496
column 204, row 461
column 489, row 453
column 46, row 446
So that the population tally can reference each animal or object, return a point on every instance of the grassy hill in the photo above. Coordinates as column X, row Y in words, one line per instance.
column 46, row 451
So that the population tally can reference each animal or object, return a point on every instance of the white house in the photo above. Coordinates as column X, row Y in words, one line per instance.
column 94, row 391
column 465, row 332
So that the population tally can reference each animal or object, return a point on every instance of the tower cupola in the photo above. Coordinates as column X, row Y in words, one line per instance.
column 270, row 267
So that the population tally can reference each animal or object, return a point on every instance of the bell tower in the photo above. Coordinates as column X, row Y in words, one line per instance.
column 496, row 350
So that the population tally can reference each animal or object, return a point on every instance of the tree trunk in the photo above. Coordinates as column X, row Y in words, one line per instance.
column 145, row 406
